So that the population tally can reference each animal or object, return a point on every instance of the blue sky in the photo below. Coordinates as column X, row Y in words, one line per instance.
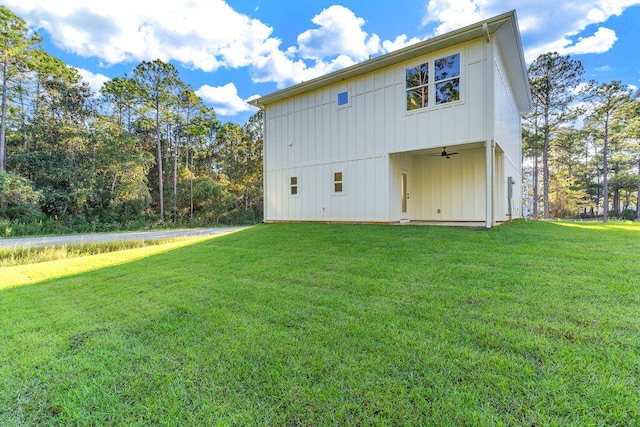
column 232, row 51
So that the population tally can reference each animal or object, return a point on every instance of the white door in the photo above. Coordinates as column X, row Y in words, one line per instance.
column 404, row 196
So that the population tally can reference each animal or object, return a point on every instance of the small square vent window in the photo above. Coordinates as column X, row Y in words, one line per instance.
column 343, row 98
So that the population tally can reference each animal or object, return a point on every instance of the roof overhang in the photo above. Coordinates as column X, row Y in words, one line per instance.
column 503, row 27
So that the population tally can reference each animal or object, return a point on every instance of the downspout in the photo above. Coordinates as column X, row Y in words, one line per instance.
column 489, row 151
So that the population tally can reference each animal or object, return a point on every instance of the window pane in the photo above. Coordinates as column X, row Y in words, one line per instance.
column 417, row 76
column 337, row 176
column 294, row 180
column 343, row 98
column 294, row 190
column 447, row 67
column 417, row 98
column 337, row 187
column 448, row 91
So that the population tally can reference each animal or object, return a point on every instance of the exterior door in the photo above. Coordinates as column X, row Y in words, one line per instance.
column 404, row 195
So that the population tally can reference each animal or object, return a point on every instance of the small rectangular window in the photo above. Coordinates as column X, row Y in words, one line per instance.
column 294, row 185
column 337, row 182
column 447, row 79
column 343, row 99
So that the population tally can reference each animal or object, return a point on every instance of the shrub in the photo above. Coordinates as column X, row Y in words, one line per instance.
column 18, row 199
column 242, row 217
column 629, row 214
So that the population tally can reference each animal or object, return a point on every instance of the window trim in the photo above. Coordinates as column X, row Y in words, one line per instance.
column 294, row 186
column 408, row 89
column 446, row 79
column 432, row 83
column 336, row 181
column 348, row 103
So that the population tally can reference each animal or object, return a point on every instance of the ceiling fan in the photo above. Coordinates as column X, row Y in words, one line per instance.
column 444, row 153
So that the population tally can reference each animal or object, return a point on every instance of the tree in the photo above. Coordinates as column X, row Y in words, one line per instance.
column 532, row 138
column 86, row 166
column 607, row 101
column 59, row 161
column 124, row 96
column 157, row 81
column 120, row 170
column 187, row 126
column 255, row 154
column 15, row 46
column 631, row 133
column 553, row 79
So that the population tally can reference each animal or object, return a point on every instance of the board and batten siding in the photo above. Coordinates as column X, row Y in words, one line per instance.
column 507, row 133
column 362, row 200
column 310, row 137
column 451, row 189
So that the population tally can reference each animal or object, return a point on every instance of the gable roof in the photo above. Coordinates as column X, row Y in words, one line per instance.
column 504, row 28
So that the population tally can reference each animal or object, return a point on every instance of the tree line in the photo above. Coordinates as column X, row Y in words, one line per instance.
column 145, row 150
column 581, row 144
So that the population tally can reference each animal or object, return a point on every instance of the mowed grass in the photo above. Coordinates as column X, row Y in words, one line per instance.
column 529, row 323
column 33, row 255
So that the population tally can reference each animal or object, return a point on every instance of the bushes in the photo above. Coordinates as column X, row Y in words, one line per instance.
column 18, row 199
column 242, row 217
column 628, row 214
column 27, row 212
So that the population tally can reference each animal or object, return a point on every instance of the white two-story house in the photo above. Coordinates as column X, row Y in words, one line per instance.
column 430, row 132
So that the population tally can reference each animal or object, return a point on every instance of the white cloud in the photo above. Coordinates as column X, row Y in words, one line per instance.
column 580, row 88
column 603, row 69
column 453, row 15
column 210, row 34
column 338, row 43
column 400, row 42
column 546, row 25
column 601, row 41
column 340, row 32
column 224, row 99
column 201, row 34
column 95, row 80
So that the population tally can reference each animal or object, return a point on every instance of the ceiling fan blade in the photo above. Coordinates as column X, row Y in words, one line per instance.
column 443, row 153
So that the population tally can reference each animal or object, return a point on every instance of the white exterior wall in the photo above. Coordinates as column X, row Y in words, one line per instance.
column 363, row 199
column 310, row 137
column 508, row 137
column 451, row 189
column 447, row 124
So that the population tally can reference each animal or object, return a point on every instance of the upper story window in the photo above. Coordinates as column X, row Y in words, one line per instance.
column 447, row 78
column 343, row 99
column 418, row 87
column 445, row 82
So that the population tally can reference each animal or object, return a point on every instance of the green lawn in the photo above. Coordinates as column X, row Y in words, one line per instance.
column 529, row 323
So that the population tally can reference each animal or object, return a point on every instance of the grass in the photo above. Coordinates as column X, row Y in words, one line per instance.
column 33, row 255
column 310, row 324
